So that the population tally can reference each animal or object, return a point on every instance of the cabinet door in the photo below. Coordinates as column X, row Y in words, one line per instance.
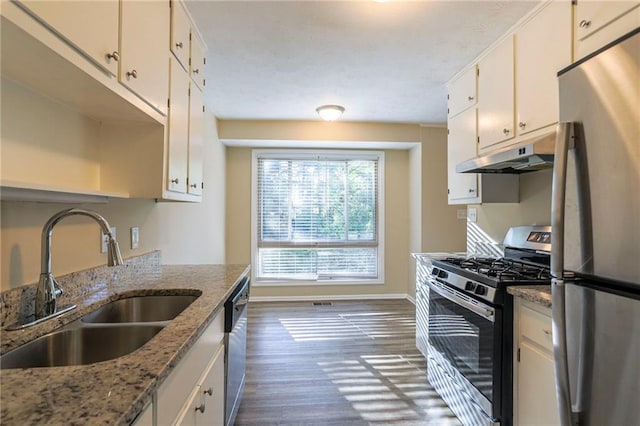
column 543, row 47
column 461, row 146
column 180, row 33
column 196, row 130
column 593, row 15
column 496, row 93
column 144, row 55
column 205, row 405
column 198, row 60
column 462, row 92
column 178, row 129
column 92, row 26
column 536, row 387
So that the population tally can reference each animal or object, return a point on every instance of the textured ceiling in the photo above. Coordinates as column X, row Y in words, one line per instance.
column 384, row 62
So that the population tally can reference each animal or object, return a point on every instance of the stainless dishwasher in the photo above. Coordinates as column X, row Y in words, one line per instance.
column 235, row 328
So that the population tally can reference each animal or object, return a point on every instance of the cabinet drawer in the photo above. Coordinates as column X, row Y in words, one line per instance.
column 536, row 326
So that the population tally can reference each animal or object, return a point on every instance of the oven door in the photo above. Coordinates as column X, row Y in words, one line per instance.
column 463, row 331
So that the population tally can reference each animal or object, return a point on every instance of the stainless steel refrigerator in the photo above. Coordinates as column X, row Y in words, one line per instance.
column 596, row 238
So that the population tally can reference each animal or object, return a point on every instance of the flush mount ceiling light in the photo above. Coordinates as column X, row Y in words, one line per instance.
column 330, row 112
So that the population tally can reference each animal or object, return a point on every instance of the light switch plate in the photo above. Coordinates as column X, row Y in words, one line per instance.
column 472, row 214
column 135, row 237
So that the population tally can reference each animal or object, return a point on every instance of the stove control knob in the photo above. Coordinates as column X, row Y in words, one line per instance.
column 481, row 290
column 442, row 274
column 470, row 286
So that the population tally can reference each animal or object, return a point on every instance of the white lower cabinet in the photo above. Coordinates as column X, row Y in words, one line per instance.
column 534, row 393
column 194, row 391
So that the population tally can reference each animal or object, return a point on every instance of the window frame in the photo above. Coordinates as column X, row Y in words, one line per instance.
column 329, row 154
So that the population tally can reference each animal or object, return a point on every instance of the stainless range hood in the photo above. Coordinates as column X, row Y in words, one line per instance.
column 527, row 156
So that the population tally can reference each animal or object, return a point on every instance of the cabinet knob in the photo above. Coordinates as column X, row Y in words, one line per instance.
column 179, row 45
column 176, row 180
column 584, row 24
column 132, row 73
column 471, row 190
column 196, row 71
column 470, row 98
column 193, row 185
column 201, row 408
column 113, row 55
column 209, row 391
column 522, row 125
column 506, row 131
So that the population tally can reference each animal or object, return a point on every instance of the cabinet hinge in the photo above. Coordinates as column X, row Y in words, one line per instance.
column 478, row 71
column 574, row 2
column 202, row 108
column 204, row 82
column 448, row 97
column 478, row 138
column 202, row 185
column 168, row 102
column 448, row 191
column 189, row 91
column 518, row 355
column 204, row 61
column 447, row 131
column 448, row 110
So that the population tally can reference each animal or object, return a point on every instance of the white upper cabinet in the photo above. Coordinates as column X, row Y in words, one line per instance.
column 180, row 33
column 198, row 60
column 543, row 47
column 196, row 131
column 600, row 22
column 496, row 93
column 91, row 26
column 461, row 146
column 462, row 92
column 178, row 129
column 144, row 63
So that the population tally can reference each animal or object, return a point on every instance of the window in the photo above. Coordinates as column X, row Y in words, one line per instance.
column 317, row 216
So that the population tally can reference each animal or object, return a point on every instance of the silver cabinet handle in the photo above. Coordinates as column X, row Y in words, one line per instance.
column 132, row 73
column 522, row 125
column 176, row 180
column 208, row 391
column 113, row 55
column 179, row 45
column 201, row 408
column 584, row 24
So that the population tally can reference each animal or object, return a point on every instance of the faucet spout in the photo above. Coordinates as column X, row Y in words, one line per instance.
column 48, row 289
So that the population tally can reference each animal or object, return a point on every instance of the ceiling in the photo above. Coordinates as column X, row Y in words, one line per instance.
column 384, row 62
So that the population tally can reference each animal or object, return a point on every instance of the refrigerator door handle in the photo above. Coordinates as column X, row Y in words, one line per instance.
column 563, row 143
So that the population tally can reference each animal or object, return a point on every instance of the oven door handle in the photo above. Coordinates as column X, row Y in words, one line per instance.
column 484, row 311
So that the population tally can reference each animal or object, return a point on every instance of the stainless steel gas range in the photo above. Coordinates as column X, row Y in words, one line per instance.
column 470, row 324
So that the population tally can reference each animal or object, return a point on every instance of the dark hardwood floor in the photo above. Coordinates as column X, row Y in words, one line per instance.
column 350, row 363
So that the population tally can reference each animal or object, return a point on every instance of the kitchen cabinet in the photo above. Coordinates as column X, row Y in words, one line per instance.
column 205, row 405
column 144, row 56
column 496, row 95
column 186, row 44
column 146, row 417
column 543, row 47
column 185, row 134
column 96, row 34
column 196, row 139
column 600, row 22
column 463, row 92
column 471, row 188
column 187, row 387
column 535, row 400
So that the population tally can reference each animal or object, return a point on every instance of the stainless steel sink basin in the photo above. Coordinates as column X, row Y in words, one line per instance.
column 140, row 309
column 80, row 346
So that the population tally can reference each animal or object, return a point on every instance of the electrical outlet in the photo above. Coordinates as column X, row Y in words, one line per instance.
column 135, row 237
column 472, row 214
column 104, row 238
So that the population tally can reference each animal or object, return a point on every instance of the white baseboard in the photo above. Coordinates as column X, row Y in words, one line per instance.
column 330, row 297
column 411, row 299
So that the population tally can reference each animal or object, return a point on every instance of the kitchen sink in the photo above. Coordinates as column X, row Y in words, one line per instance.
column 140, row 309
column 80, row 346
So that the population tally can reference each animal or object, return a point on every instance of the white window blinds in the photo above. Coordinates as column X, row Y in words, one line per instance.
column 317, row 216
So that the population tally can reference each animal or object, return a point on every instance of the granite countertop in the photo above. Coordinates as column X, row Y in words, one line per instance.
column 115, row 391
column 540, row 294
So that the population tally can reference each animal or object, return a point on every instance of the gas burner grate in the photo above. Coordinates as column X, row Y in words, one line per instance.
column 502, row 269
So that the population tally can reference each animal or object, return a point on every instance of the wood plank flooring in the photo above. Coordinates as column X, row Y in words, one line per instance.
column 351, row 363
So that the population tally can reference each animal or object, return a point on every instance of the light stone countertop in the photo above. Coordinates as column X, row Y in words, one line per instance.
column 540, row 294
column 116, row 391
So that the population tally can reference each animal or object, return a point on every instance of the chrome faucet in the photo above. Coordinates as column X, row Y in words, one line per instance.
column 48, row 289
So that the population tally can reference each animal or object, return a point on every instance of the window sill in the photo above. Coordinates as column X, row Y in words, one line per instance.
column 304, row 283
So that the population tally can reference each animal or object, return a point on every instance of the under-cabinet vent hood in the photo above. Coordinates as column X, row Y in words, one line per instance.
column 527, row 156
